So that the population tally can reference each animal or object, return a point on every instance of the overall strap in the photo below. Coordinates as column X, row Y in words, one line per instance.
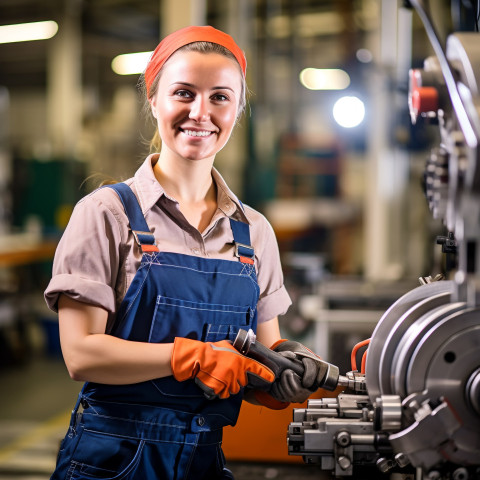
column 241, row 237
column 142, row 234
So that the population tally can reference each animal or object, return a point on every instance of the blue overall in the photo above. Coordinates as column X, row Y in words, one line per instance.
column 164, row 429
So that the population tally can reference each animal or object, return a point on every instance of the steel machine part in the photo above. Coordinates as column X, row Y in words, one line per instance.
column 418, row 405
column 415, row 413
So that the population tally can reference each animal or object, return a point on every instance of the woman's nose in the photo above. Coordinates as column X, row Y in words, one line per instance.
column 199, row 110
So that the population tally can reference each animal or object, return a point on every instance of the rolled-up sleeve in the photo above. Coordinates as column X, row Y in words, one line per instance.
column 87, row 258
column 273, row 304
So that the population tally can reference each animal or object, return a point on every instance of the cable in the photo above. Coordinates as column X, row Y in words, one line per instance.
column 353, row 359
column 364, row 361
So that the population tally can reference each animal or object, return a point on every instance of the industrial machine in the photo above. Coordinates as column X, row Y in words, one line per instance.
column 412, row 410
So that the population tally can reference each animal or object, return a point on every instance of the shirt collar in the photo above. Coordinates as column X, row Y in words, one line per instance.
column 149, row 190
column 227, row 201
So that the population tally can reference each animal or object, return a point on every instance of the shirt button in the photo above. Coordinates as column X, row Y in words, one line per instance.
column 196, row 251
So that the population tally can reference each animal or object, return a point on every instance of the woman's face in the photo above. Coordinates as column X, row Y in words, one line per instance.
column 196, row 103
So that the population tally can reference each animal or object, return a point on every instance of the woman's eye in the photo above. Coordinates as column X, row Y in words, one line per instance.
column 220, row 97
column 183, row 93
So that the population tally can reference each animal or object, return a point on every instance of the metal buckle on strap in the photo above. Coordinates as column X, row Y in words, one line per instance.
column 136, row 233
column 146, row 247
column 242, row 245
column 247, row 257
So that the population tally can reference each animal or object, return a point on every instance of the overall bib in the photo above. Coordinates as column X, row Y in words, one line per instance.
column 164, row 429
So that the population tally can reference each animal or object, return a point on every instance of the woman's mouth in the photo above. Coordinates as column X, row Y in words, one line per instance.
column 196, row 133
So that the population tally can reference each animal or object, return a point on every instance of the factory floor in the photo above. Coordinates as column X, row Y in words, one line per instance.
column 35, row 403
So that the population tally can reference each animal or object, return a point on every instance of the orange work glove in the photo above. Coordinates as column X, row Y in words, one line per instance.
column 218, row 368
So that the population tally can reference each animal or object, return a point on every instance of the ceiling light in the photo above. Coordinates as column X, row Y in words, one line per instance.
column 363, row 55
column 349, row 112
column 25, row 32
column 324, row 79
column 131, row 63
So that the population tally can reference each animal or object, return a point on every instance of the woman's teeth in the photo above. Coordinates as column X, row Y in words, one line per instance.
column 194, row 133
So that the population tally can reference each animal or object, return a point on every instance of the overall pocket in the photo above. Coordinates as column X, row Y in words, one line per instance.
column 199, row 321
column 104, row 457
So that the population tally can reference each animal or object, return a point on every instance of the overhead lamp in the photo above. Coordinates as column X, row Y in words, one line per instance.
column 324, row 78
column 26, row 32
column 364, row 55
column 349, row 111
column 131, row 63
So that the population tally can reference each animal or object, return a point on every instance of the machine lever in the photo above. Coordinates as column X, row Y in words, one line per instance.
column 246, row 343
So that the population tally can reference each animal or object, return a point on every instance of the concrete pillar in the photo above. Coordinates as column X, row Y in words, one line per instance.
column 175, row 14
column 232, row 159
column 5, row 162
column 388, row 167
column 64, row 84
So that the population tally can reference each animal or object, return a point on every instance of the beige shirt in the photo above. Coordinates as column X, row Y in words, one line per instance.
column 97, row 256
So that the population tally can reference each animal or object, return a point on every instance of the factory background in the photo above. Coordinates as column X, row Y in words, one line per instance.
column 342, row 187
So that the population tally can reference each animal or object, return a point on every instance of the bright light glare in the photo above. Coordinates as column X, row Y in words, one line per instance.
column 349, row 112
column 25, row 32
column 363, row 55
column 324, row 79
column 131, row 63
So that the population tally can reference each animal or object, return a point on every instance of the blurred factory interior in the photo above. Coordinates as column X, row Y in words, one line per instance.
column 343, row 193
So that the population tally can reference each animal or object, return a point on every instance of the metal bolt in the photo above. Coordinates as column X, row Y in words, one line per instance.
column 460, row 474
column 434, row 475
column 344, row 462
column 385, row 464
column 413, row 405
column 402, row 460
column 343, row 439
column 365, row 414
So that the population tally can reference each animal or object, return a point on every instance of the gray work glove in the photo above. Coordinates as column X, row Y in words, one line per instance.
column 291, row 387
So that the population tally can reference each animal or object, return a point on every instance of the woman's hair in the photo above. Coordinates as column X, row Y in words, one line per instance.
column 200, row 47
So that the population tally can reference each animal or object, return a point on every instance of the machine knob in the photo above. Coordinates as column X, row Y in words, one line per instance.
column 425, row 99
column 422, row 98
column 388, row 413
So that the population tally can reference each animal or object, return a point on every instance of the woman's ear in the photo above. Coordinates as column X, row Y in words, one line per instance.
column 153, row 107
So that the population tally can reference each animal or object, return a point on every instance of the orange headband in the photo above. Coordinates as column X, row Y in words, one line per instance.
column 171, row 43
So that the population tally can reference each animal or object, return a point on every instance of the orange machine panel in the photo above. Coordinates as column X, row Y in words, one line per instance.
column 260, row 434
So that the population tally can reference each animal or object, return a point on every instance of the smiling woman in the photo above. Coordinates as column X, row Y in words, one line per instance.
column 158, row 60
column 196, row 105
column 154, row 277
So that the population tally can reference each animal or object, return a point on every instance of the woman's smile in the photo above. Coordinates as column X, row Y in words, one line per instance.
column 196, row 133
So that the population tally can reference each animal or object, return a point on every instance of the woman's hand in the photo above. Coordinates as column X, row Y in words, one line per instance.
column 217, row 367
